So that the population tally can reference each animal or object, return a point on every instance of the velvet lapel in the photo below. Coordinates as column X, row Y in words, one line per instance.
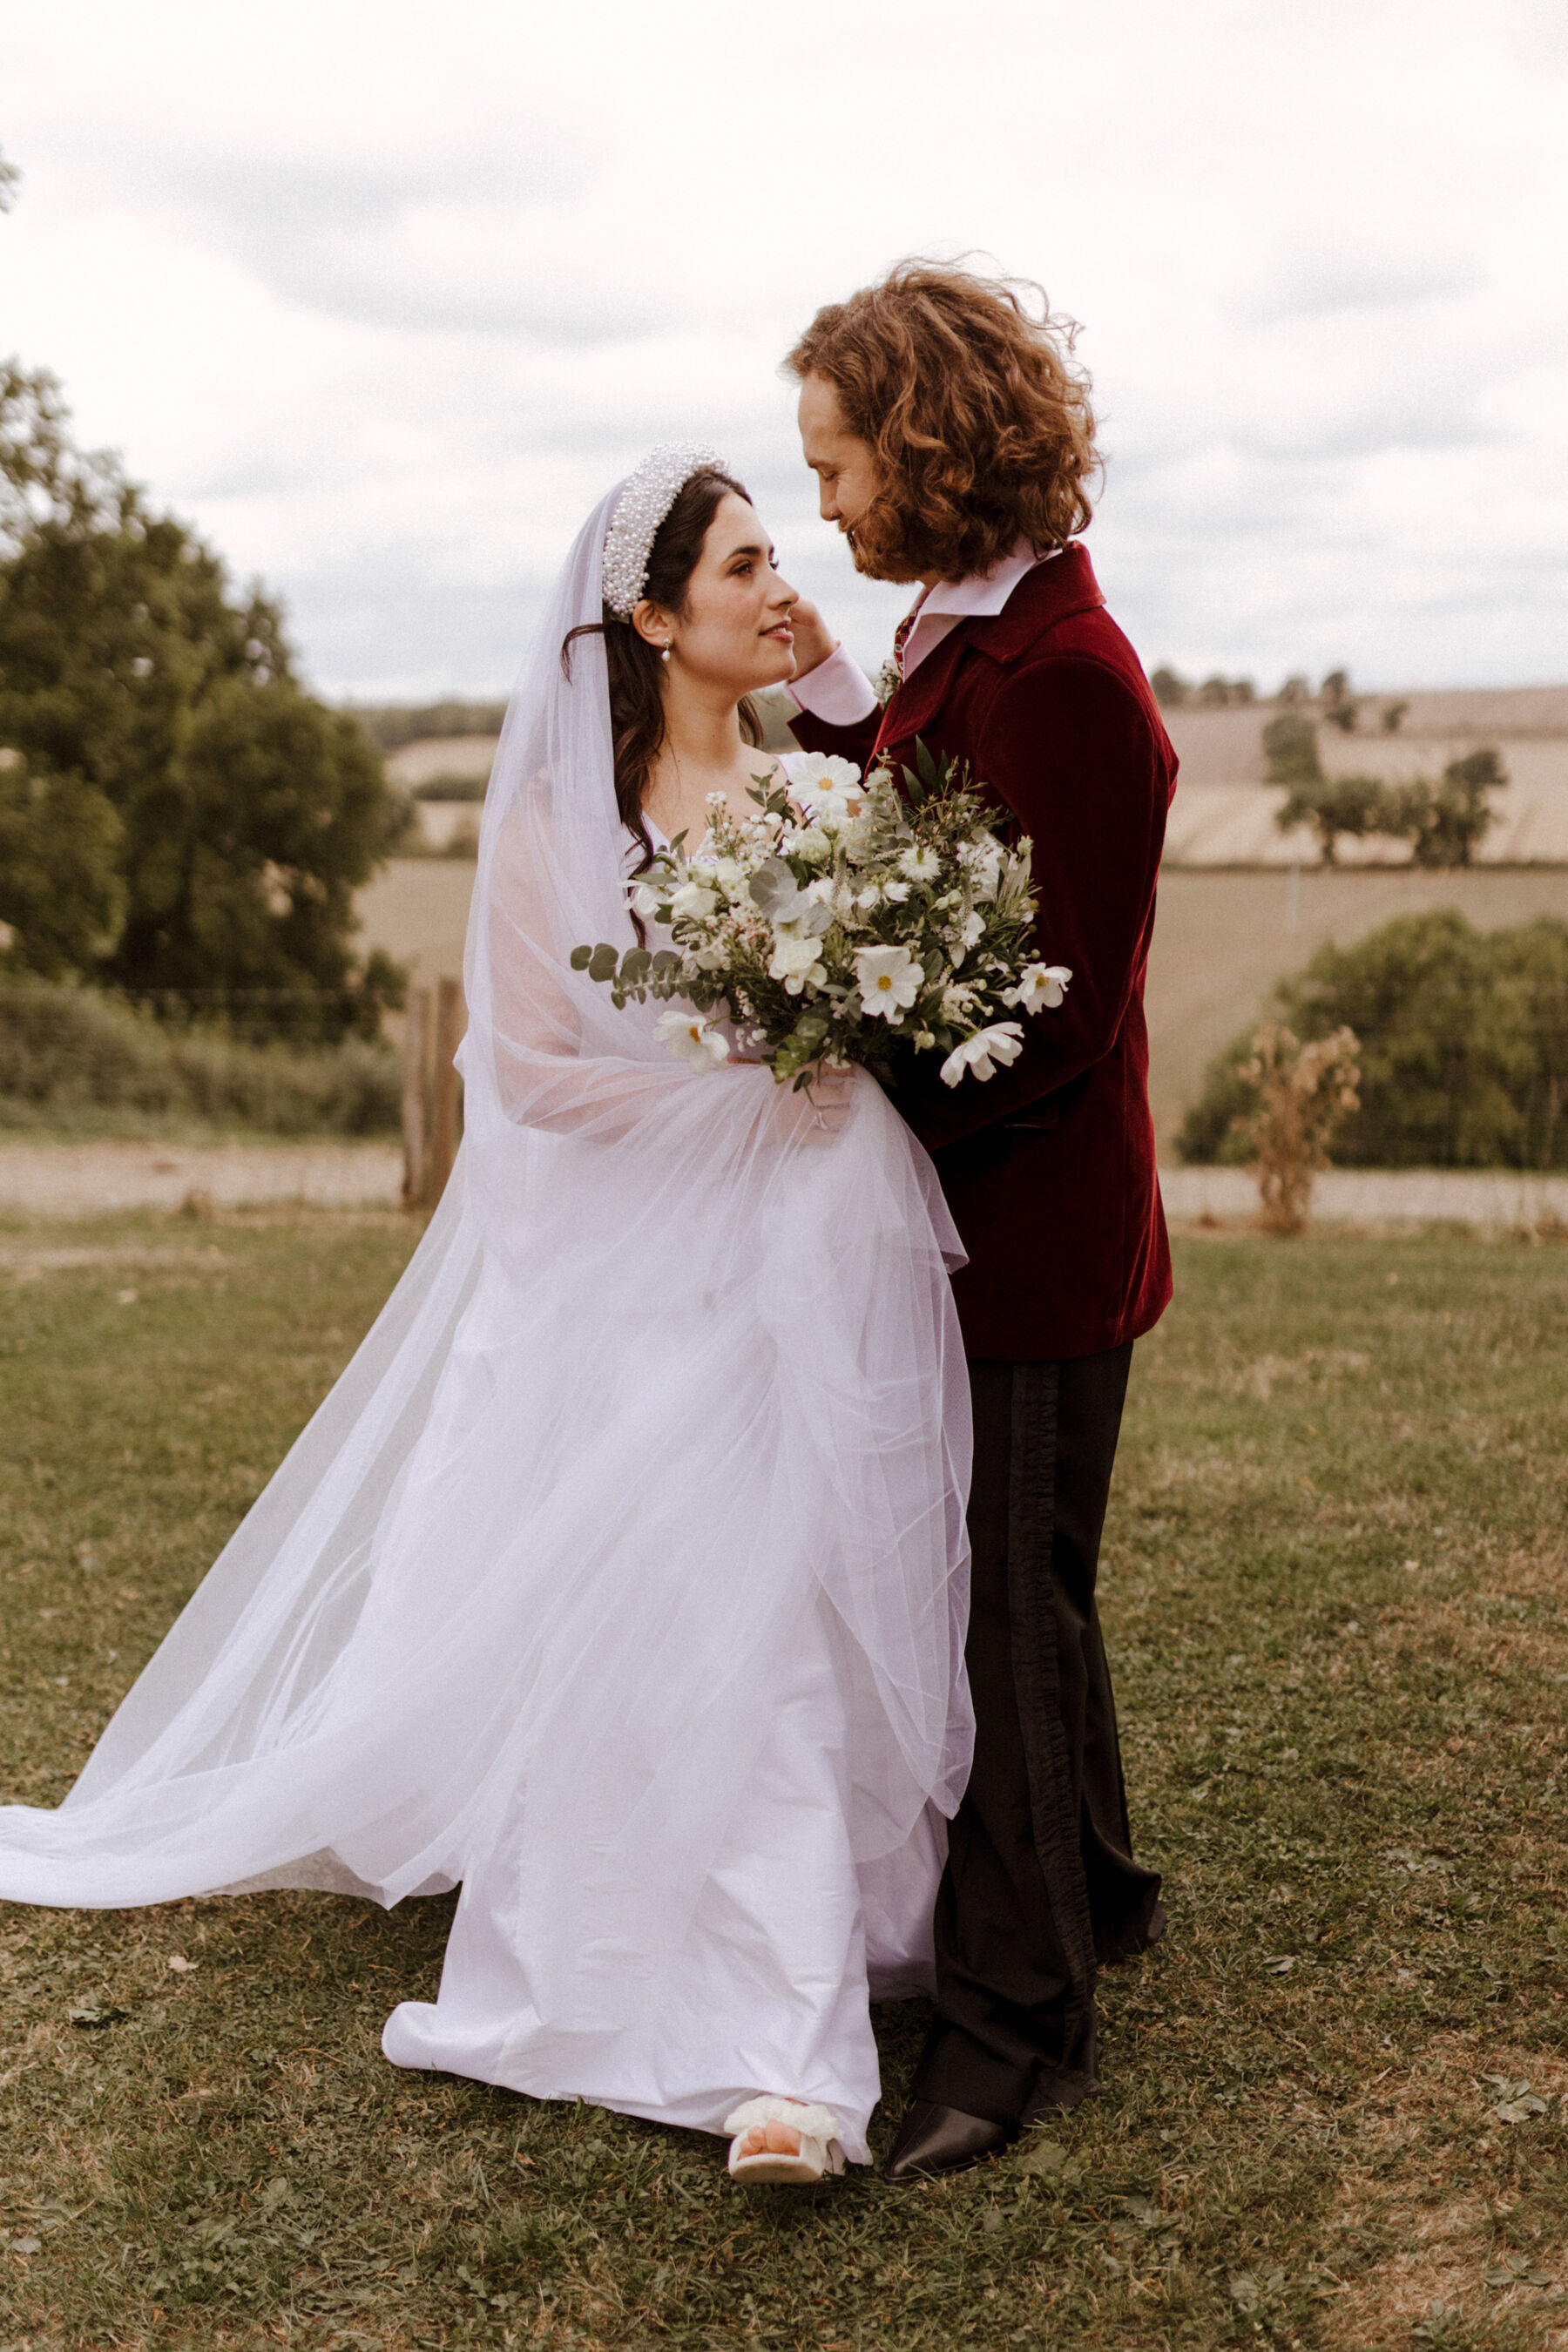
column 1052, row 593
column 913, row 706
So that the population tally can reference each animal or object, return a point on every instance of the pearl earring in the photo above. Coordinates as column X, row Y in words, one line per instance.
column 664, row 652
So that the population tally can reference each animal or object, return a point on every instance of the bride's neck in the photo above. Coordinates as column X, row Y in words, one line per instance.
column 702, row 728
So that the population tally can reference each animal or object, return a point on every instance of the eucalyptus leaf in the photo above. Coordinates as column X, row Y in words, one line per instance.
column 602, row 963
column 775, row 890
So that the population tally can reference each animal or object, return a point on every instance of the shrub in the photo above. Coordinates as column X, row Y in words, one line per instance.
column 1464, row 1038
column 69, row 1057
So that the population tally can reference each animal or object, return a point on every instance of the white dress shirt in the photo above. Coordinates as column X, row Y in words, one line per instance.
column 837, row 690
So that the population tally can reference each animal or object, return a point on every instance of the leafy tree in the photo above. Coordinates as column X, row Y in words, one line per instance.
column 60, row 886
column 1334, row 806
column 1170, row 688
column 1464, row 1039
column 1445, row 822
column 1340, row 706
column 1290, row 749
column 134, row 685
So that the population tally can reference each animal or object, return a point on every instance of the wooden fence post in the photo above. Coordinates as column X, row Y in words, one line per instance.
column 449, row 1026
column 416, row 1053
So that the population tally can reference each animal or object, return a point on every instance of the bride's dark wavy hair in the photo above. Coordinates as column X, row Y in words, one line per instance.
column 636, row 698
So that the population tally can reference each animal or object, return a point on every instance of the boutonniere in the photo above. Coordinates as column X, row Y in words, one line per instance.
column 888, row 680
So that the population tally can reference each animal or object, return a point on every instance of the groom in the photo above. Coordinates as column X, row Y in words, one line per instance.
column 953, row 443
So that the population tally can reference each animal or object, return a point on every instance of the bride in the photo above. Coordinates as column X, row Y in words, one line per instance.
column 622, row 1576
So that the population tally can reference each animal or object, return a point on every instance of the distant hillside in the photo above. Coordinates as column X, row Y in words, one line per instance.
column 391, row 725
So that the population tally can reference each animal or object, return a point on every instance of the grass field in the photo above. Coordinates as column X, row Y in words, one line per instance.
column 1336, row 2097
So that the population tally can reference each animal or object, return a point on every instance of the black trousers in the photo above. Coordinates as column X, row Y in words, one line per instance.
column 1040, row 1884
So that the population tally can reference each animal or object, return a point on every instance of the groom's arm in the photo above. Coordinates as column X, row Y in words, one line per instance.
column 1073, row 751
column 838, row 712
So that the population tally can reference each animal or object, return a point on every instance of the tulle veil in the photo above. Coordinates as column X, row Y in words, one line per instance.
column 668, row 1368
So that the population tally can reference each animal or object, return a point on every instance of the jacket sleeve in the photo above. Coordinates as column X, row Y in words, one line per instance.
column 856, row 742
column 1070, row 749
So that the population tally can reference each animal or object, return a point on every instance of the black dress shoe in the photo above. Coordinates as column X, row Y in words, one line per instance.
column 943, row 2139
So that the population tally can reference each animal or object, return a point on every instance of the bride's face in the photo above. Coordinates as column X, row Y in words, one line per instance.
column 734, row 631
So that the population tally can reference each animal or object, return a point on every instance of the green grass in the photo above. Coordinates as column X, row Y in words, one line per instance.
column 1335, row 1573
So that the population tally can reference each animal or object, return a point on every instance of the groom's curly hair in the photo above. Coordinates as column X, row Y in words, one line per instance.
column 966, row 388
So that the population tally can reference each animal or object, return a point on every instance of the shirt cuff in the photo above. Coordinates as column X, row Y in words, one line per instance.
column 837, row 691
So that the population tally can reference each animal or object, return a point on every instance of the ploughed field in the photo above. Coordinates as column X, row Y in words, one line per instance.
column 1334, row 2111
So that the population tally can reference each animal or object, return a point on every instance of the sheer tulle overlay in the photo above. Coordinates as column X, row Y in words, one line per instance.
column 622, row 1576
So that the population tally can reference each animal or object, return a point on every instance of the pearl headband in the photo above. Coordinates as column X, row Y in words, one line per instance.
column 642, row 505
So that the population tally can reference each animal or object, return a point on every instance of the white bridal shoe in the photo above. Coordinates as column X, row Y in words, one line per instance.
column 783, row 2139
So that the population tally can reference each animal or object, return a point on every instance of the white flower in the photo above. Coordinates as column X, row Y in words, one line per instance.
column 695, row 900
column 1039, row 983
column 983, row 861
column 795, row 961
column 999, row 1045
column 867, row 898
column 690, row 1035
column 812, row 844
column 956, row 1001
column 921, row 864
column 972, row 931
column 646, row 898
column 895, row 893
column 889, row 981
column 821, row 782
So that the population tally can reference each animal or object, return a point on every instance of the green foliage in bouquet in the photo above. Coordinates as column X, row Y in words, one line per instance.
column 843, row 923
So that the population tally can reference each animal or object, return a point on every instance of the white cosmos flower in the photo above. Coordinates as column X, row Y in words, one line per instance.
column 690, row 1035
column 822, row 783
column 1039, row 983
column 889, row 979
column 984, row 1053
column 921, row 864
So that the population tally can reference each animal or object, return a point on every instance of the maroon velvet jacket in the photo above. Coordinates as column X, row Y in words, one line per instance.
column 1049, row 1167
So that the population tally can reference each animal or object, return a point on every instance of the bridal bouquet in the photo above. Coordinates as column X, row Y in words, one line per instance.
column 843, row 922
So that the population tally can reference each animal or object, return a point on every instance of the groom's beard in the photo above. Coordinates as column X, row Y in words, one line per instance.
column 869, row 570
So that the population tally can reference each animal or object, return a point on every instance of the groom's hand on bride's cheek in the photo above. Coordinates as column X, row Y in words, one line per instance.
column 814, row 640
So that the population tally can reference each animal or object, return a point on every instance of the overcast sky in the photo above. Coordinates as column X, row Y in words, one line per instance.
column 381, row 296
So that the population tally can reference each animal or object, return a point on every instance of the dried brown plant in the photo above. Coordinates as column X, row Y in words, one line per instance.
column 1303, row 1093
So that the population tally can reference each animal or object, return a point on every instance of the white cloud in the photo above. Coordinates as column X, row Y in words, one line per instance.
column 381, row 296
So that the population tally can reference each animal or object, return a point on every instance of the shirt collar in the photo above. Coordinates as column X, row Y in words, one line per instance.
column 982, row 597
column 983, row 593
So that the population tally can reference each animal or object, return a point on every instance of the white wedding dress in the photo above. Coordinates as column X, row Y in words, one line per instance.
column 622, row 1576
